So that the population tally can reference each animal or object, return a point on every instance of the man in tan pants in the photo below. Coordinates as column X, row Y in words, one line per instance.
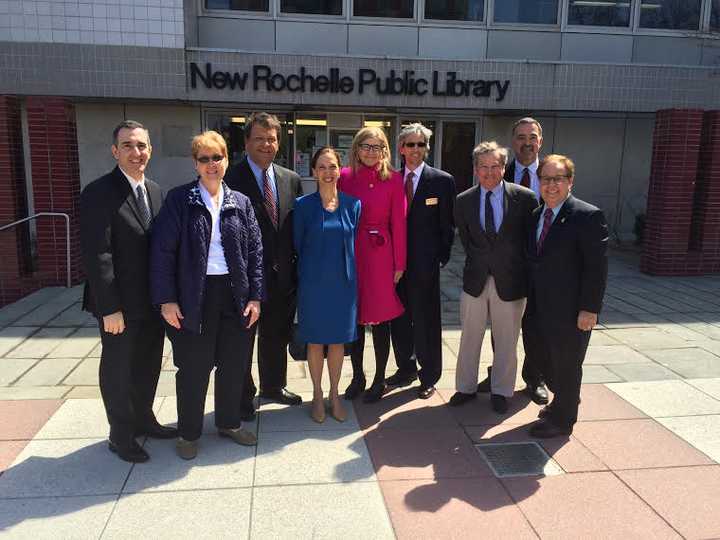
column 492, row 219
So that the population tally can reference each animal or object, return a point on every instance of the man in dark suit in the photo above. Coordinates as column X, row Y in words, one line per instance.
column 492, row 219
column 272, row 190
column 116, row 213
column 567, row 267
column 430, row 195
column 527, row 141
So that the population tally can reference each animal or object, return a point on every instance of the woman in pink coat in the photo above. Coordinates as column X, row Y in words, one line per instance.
column 380, row 251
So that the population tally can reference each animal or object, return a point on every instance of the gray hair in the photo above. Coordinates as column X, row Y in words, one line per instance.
column 489, row 147
column 129, row 124
column 414, row 129
column 527, row 120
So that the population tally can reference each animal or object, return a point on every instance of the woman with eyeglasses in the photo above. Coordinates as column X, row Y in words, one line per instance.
column 379, row 250
column 206, row 276
column 324, row 227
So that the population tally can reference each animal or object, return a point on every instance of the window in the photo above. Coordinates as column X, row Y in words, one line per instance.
column 591, row 13
column 399, row 9
column 526, row 11
column 310, row 136
column 245, row 5
column 455, row 10
column 670, row 14
column 312, row 7
column 715, row 15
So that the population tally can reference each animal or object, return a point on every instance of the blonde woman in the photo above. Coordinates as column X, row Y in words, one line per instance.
column 380, row 251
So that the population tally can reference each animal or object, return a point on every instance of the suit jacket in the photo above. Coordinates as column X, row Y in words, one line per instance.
column 278, row 253
column 430, row 223
column 570, row 273
column 115, row 246
column 502, row 257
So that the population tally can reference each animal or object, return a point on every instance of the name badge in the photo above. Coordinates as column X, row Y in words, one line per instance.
column 431, row 201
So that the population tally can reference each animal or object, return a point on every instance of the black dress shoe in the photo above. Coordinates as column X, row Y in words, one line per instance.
column 281, row 395
column 426, row 392
column 545, row 411
column 499, row 403
column 545, row 429
column 401, row 379
column 247, row 413
column 375, row 392
column 157, row 431
column 459, row 398
column 538, row 394
column 132, row 452
column 355, row 388
column 484, row 385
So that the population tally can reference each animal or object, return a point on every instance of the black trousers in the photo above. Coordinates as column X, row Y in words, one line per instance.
column 559, row 352
column 129, row 370
column 223, row 344
column 274, row 331
column 419, row 329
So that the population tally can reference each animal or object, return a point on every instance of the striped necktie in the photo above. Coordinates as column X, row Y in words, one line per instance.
column 142, row 205
column 270, row 202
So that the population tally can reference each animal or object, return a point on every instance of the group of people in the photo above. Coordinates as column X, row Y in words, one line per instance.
column 240, row 251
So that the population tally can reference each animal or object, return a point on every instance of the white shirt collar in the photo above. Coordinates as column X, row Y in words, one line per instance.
column 133, row 183
column 519, row 167
column 417, row 172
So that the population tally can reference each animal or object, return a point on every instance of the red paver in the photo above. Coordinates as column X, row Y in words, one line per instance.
column 637, row 444
column 403, row 410
column 23, row 419
column 586, row 505
column 478, row 412
column 569, row 453
column 600, row 403
column 431, row 453
column 9, row 450
column 687, row 497
column 453, row 508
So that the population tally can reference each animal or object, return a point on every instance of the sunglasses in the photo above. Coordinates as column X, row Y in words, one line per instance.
column 216, row 158
column 414, row 144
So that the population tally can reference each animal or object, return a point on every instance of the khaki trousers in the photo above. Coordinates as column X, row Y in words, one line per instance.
column 505, row 318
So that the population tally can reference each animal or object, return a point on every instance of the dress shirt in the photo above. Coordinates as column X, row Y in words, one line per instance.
column 260, row 177
column 556, row 211
column 496, row 201
column 216, row 266
column 416, row 178
column 135, row 183
column 532, row 169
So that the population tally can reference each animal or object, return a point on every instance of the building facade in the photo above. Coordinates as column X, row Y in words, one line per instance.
column 594, row 73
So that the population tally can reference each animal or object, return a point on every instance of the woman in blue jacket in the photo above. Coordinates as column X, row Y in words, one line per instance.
column 324, row 225
column 206, row 275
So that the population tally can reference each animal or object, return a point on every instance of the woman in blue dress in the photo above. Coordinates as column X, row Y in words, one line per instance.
column 324, row 225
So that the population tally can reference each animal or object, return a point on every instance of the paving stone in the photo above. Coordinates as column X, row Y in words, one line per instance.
column 12, row 369
column 323, row 512
column 690, row 363
column 166, row 414
column 602, row 338
column 85, row 374
column 312, row 457
column 643, row 372
column 48, row 372
column 13, row 336
column 275, row 417
column 599, row 374
column 32, row 392
column 55, row 517
column 703, row 432
column 479, row 412
column 96, row 352
column 64, row 468
column 40, row 344
column 666, row 398
column 44, row 313
column 612, row 354
column 78, row 344
column 23, row 419
column 709, row 345
column 402, row 409
column 709, row 386
column 9, row 450
column 74, row 316
column 13, row 312
column 599, row 403
column 83, row 392
column 647, row 339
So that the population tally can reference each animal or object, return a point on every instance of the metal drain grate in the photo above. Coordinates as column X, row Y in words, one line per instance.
column 518, row 459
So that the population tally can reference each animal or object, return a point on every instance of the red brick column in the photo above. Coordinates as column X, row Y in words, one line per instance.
column 676, row 146
column 56, row 184
column 14, row 242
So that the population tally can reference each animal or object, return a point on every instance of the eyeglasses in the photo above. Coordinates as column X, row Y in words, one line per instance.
column 216, row 158
column 372, row 147
column 545, row 180
column 414, row 144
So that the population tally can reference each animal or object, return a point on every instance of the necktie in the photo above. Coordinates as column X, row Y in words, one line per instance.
column 270, row 204
column 525, row 180
column 489, row 216
column 409, row 188
column 142, row 205
column 548, row 215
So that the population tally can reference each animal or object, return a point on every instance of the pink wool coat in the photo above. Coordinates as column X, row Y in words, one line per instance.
column 380, row 245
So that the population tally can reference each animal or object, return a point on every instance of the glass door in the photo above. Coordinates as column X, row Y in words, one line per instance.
column 458, row 141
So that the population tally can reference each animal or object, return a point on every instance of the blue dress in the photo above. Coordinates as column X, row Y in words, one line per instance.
column 327, row 282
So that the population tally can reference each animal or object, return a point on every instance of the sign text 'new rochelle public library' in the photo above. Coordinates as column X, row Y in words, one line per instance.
column 395, row 83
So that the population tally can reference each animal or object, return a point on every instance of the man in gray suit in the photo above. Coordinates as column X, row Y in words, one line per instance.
column 492, row 218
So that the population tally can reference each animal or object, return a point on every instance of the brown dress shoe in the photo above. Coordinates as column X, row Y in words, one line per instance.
column 239, row 435
column 186, row 449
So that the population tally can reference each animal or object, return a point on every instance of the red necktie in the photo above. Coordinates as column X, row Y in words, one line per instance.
column 409, row 188
column 270, row 204
column 525, row 181
column 548, row 216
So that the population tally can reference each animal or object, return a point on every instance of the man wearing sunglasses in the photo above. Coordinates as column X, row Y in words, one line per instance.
column 430, row 195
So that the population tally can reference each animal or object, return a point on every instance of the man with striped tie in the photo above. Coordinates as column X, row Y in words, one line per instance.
column 272, row 190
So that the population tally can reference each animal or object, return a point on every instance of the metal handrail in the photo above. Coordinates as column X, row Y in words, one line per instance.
column 67, row 234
